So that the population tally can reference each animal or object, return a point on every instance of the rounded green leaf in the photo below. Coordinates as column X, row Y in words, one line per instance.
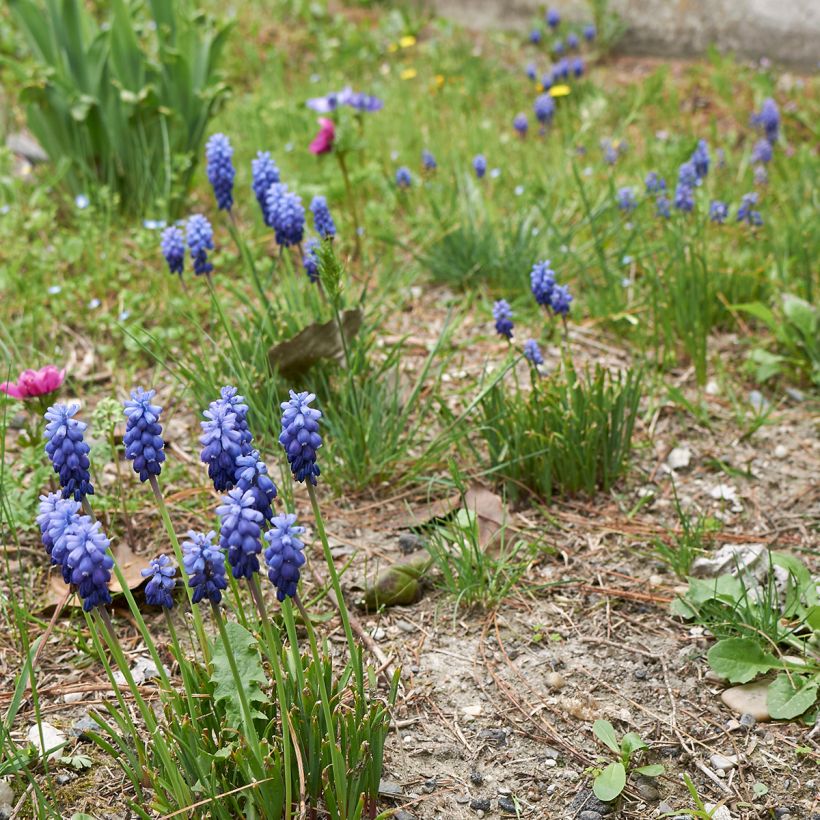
column 740, row 659
column 610, row 782
column 603, row 730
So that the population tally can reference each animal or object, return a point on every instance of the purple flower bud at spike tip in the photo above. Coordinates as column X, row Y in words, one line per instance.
column 143, row 434
column 560, row 300
column 311, row 260
column 626, row 200
column 718, row 211
column 225, row 438
column 762, row 151
column 89, row 562
column 200, row 238
column 589, row 33
column 264, row 173
column 572, row 41
column 252, row 476
column 544, row 108
column 172, row 245
column 322, row 220
column 700, row 159
column 404, row 179
column 287, row 217
column 219, row 155
column 300, row 435
column 67, row 450
column 284, row 555
column 542, row 281
column 428, row 161
column 654, row 183
column 521, row 124
column 57, row 517
column 532, row 352
column 746, row 212
column 663, row 207
column 502, row 315
column 158, row 591
column 553, row 18
column 205, row 565
column 769, row 119
column 240, row 534
column 480, row 165
column 684, row 197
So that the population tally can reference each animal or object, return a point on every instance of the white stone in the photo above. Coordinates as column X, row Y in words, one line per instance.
column 723, row 492
column 723, row 763
column 53, row 740
column 679, row 458
column 718, row 812
column 780, row 451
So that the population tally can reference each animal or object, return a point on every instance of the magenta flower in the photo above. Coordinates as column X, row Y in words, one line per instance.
column 33, row 383
column 323, row 141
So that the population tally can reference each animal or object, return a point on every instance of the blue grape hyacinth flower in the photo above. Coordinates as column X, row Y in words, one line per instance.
column 67, row 450
column 404, row 179
column 143, row 434
column 535, row 36
column 700, row 160
column 240, row 534
column 684, row 197
column 687, row 175
column 572, row 41
column 252, row 476
column 287, row 216
column 544, row 108
column 531, row 71
column 172, row 245
column 553, row 18
column 284, row 555
column 310, row 262
column 589, row 33
column 560, row 300
column 769, row 119
column 264, row 173
column 532, row 352
column 322, row 220
column 57, row 516
column 626, row 200
column 542, row 281
column 502, row 315
column 663, row 207
column 89, row 562
column 762, row 151
column 300, row 435
column 159, row 589
column 654, row 183
column 205, row 565
column 200, row 238
column 225, row 438
column 718, row 211
column 747, row 213
column 578, row 67
column 220, row 170
column 428, row 161
column 480, row 165
column 520, row 123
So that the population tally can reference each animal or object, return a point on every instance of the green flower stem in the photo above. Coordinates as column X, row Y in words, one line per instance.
column 351, row 200
column 169, row 528
column 188, row 684
column 247, row 258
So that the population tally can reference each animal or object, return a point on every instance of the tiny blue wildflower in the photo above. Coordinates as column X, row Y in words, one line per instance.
column 532, row 352
column 746, row 212
column 300, row 435
column 542, row 281
column 762, row 151
column 143, row 434
column 572, row 41
column 718, row 211
column 520, row 123
column 544, row 108
column 654, row 183
column 205, row 565
column 200, row 238
column 272, row 198
column 264, row 174
column 284, row 555
column 428, row 160
column 159, row 589
column 502, row 315
column 220, row 171
column 769, row 118
column 322, row 220
column 252, row 476
column 700, row 160
column 480, row 165
column 310, row 261
column 684, row 197
column 560, row 300
column 89, row 562
column 553, row 18
column 663, row 207
column 626, row 200
column 67, row 450
column 404, row 179
column 172, row 245
column 240, row 533
column 589, row 33
column 535, row 36
column 82, row 201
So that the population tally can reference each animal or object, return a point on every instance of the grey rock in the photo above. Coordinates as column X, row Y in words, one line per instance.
column 496, row 737
column 647, row 791
column 782, row 813
column 480, row 804
column 389, row 788
column 429, row 785
column 23, row 144
column 62, row 779
column 590, row 815
column 6, row 810
column 476, row 778
column 586, row 800
column 747, row 720
column 6, row 792
column 410, row 542
column 401, row 814
column 507, row 804
column 81, row 727
column 797, row 395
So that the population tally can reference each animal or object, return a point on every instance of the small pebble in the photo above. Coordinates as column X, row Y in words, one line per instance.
column 554, row 681
column 723, row 763
column 476, row 778
column 780, row 451
column 507, row 804
column 747, row 721
column 590, row 815
column 480, row 804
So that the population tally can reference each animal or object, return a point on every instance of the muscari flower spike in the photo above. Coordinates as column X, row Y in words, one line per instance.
column 200, row 238
column 718, row 211
column 300, row 435
column 687, row 175
column 67, row 450
column 553, row 18
column 578, row 67
column 240, row 533
column 663, row 207
column 572, row 41
column 57, row 516
column 310, row 261
column 531, row 71
column 542, row 281
column 700, row 160
column 547, row 81
column 589, row 33
column 322, row 220
column 172, row 245
column 535, row 36
column 762, row 151
column 626, row 200
column 532, row 352
column 502, row 315
column 288, row 218
column 143, row 434
column 480, row 165
column 264, row 174
column 404, row 178
column 746, row 211
column 89, row 562
column 158, row 590
column 220, row 170
column 558, row 47
column 428, row 161
column 684, row 197
column 654, row 183
column 769, row 118
column 284, row 555
column 544, row 108
column 225, row 438
column 560, row 300
column 205, row 565
column 252, row 476
column 520, row 123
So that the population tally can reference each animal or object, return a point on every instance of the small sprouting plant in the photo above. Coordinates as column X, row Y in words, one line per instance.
column 701, row 810
column 610, row 781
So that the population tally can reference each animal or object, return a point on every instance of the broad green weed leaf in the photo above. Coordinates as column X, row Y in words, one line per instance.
column 631, row 743
column 653, row 770
column 603, row 730
column 787, row 701
column 801, row 314
column 610, row 782
column 740, row 659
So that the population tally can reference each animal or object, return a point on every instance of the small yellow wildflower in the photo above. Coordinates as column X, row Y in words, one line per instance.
column 407, row 41
column 559, row 91
column 408, row 73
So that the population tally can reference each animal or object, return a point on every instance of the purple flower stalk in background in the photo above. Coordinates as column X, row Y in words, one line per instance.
column 561, row 70
column 687, row 175
column 663, row 207
column 626, row 200
column 264, row 174
column 354, row 99
column 404, row 179
column 700, row 160
column 143, row 434
column 284, row 555
column 172, row 245
column 762, row 151
column 547, row 81
column 535, row 36
column 558, row 48
column 553, row 18
column 769, row 119
column 572, row 41
column 205, row 565
column 542, row 281
column 322, row 220
column 200, row 238
column 532, row 352
column 544, row 108
column 654, row 183
column 746, row 211
column 428, row 161
column 480, row 165
column 311, row 260
column 160, row 587
column 560, row 300
column 684, row 197
column 531, row 71
column 89, row 562
column 220, row 171
column 761, row 175
column 520, row 123
column 240, row 533
column 578, row 67
column 300, row 435
column 67, row 450
column 589, row 33
column 502, row 315
column 718, row 211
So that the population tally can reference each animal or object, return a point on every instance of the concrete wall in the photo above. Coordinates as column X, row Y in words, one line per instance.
column 785, row 31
